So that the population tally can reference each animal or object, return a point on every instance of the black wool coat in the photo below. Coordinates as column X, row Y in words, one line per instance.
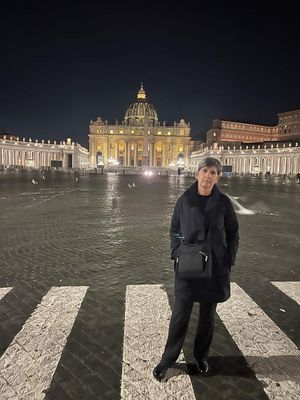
column 189, row 222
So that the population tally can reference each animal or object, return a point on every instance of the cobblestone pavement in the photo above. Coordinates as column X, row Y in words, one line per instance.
column 71, row 250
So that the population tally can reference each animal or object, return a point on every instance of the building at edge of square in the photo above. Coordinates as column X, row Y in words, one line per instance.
column 252, row 149
column 223, row 131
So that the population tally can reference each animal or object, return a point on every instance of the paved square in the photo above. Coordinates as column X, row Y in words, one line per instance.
column 104, row 235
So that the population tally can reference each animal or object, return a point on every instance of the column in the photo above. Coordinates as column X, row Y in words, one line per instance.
column 150, row 154
column 153, row 153
column 289, row 165
column 107, row 151
column 126, row 154
column 135, row 153
column 116, row 150
column 295, row 166
column 284, row 166
column 186, row 156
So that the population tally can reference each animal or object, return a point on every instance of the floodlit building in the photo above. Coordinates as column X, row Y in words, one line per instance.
column 16, row 152
column 276, row 158
column 254, row 149
column 223, row 131
column 140, row 139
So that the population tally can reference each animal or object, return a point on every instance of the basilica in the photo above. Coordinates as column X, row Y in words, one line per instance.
column 140, row 140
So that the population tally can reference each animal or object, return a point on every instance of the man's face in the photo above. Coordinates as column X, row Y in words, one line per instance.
column 207, row 177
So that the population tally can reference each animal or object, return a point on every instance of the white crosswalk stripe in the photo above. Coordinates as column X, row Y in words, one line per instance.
column 4, row 291
column 266, row 348
column 28, row 364
column 147, row 317
column 291, row 289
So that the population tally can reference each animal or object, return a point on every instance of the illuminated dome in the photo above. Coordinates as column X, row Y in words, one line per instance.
column 136, row 113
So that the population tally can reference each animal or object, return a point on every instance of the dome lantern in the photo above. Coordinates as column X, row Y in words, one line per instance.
column 141, row 93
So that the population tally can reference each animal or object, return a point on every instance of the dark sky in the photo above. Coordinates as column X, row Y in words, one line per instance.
column 65, row 63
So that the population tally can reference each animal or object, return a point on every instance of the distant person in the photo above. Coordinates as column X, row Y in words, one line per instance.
column 178, row 171
column 203, row 216
column 298, row 177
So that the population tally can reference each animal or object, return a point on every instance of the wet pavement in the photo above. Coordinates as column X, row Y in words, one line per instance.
column 103, row 233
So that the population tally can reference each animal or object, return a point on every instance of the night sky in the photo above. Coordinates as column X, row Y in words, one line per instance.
column 65, row 63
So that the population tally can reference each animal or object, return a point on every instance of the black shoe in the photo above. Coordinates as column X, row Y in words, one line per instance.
column 160, row 371
column 203, row 367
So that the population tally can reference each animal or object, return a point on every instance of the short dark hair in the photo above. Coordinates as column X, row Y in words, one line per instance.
column 210, row 162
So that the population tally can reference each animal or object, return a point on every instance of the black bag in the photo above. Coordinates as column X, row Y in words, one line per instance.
column 194, row 260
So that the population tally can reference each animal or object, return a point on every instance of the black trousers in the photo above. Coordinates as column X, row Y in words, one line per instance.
column 178, row 327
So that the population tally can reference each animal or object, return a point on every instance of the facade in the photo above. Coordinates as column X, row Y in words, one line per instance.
column 223, row 131
column 276, row 158
column 254, row 149
column 289, row 124
column 140, row 140
column 15, row 152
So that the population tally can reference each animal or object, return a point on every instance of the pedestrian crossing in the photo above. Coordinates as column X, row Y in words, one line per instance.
column 28, row 364
column 291, row 289
column 4, row 291
column 147, row 314
column 266, row 348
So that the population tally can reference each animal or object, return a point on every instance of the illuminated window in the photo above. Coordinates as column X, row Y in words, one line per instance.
column 159, row 132
column 111, row 131
column 169, row 133
column 181, row 131
column 180, row 149
column 140, row 146
column 121, row 131
column 132, row 131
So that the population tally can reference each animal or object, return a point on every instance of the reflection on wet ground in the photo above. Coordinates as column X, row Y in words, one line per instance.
column 110, row 231
column 121, row 223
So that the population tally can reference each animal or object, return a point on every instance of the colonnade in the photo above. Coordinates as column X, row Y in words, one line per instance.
column 25, row 158
column 40, row 155
column 277, row 161
column 274, row 164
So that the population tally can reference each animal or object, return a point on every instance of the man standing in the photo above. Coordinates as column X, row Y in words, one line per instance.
column 202, row 210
